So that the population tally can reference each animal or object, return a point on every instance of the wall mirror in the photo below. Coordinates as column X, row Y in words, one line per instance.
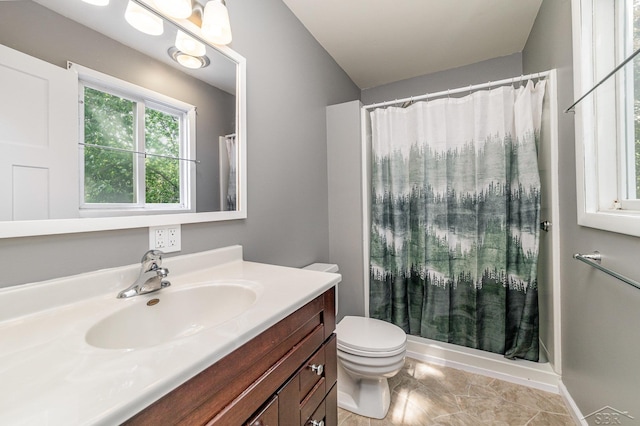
column 59, row 32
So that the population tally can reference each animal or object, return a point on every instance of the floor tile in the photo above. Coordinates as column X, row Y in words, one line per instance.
column 424, row 394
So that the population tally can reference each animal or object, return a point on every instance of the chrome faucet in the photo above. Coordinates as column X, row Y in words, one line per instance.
column 150, row 278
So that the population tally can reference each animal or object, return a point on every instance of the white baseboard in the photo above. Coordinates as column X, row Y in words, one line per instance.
column 575, row 412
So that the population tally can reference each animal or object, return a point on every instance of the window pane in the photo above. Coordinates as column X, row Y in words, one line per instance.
column 163, row 183
column 162, row 137
column 108, row 174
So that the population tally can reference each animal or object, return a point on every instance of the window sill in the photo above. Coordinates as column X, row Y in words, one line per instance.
column 620, row 221
column 97, row 213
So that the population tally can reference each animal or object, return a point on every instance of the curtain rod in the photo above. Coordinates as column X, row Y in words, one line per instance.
column 132, row 151
column 606, row 77
column 469, row 88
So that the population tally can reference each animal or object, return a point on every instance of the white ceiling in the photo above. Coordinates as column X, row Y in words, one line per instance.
column 382, row 41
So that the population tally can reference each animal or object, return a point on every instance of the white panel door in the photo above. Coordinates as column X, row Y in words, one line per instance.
column 38, row 139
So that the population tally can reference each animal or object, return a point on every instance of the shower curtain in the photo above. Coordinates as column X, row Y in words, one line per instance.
column 232, row 154
column 454, row 219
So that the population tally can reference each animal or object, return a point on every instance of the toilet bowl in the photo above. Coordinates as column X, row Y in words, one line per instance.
column 369, row 352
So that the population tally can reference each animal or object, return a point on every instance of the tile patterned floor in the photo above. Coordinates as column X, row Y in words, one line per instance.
column 425, row 394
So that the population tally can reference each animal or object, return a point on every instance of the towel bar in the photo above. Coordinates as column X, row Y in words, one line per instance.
column 594, row 259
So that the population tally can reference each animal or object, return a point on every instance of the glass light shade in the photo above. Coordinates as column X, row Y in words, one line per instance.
column 190, row 45
column 143, row 20
column 216, row 27
column 97, row 2
column 180, row 9
column 189, row 61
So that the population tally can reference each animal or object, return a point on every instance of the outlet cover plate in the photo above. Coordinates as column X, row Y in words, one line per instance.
column 165, row 238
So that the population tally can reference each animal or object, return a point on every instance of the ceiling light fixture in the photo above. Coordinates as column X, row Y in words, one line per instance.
column 216, row 27
column 180, row 9
column 190, row 45
column 143, row 20
column 97, row 2
column 186, row 60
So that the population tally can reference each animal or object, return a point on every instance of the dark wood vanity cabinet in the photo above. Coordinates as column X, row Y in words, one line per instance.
column 285, row 376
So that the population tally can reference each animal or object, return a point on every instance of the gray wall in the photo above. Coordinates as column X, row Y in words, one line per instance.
column 344, row 158
column 290, row 81
column 600, row 315
column 478, row 73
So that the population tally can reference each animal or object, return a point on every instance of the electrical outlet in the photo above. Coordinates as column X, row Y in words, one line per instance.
column 173, row 238
column 160, row 238
column 165, row 238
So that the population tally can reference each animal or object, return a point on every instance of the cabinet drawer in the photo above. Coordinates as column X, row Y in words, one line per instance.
column 312, row 372
column 318, row 417
column 327, row 412
column 268, row 416
column 323, row 364
column 302, row 394
column 312, row 402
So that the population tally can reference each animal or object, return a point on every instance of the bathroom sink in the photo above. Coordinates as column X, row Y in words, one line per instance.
column 166, row 315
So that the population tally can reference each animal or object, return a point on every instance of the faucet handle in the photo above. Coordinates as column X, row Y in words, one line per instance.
column 151, row 260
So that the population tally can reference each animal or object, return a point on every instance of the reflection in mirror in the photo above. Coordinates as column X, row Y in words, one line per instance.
column 40, row 125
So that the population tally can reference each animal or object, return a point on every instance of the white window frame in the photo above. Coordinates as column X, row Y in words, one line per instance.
column 143, row 98
column 600, row 157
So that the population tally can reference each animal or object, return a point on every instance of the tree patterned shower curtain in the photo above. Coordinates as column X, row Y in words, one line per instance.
column 454, row 219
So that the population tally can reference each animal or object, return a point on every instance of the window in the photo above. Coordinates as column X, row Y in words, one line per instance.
column 634, row 170
column 136, row 149
column 607, row 33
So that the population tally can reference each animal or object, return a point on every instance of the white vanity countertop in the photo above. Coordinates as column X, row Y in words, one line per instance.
column 49, row 375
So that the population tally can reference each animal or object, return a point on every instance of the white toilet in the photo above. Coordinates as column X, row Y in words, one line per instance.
column 369, row 352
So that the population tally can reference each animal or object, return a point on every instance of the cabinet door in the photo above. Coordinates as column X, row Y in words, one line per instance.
column 267, row 416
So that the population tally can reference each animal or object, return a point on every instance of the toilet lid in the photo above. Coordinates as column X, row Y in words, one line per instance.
column 360, row 335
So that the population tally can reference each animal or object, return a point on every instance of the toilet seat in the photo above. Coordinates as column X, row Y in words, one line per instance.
column 370, row 337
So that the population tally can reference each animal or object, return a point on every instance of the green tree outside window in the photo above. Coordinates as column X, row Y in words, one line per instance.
column 110, row 163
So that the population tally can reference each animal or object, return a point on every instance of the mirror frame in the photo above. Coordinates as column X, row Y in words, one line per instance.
column 27, row 228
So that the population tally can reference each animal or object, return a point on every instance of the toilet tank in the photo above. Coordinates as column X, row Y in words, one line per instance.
column 322, row 267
